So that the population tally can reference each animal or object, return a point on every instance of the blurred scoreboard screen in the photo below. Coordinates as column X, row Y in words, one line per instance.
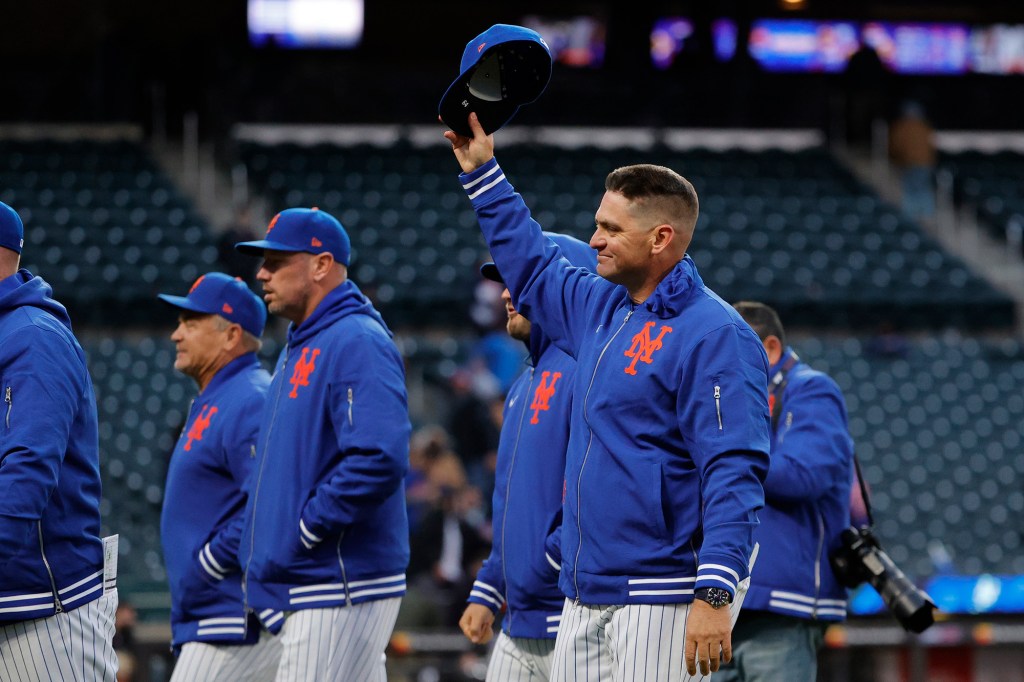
column 573, row 41
column 825, row 46
column 306, row 24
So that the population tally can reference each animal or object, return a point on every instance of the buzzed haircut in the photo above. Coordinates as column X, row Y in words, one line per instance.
column 648, row 181
column 762, row 319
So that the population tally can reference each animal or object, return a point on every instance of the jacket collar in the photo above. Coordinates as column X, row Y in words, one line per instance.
column 671, row 294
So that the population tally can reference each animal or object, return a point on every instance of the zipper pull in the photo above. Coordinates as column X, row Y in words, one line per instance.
column 350, row 406
column 718, row 405
column 628, row 315
column 7, row 399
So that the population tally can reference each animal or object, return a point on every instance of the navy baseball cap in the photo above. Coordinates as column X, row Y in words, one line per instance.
column 218, row 294
column 503, row 68
column 578, row 253
column 303, row 229
column 12, row 230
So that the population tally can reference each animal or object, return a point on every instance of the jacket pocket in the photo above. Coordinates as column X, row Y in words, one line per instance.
column 657, row 498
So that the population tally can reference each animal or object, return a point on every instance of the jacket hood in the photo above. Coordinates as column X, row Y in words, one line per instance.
column 345, row 299
column 24, row 289
column 672, row 292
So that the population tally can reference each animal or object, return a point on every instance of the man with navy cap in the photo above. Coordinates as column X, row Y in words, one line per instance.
column 220, row 322
column 327, row 536
column 57, row 590
column 520, row 577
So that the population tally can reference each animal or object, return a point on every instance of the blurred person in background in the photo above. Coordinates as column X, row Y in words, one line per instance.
column 327, row 534
column 912, row 151
column 520, row 577
column 220, row 322
column 57, row 575
column 793, row 593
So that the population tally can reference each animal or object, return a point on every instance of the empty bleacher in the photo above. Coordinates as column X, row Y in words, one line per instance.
column 103, row 224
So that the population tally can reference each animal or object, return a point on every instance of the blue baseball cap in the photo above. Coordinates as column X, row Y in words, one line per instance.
column 578, row 253
column 218, row 294
column 303, row 229
column 503, row 68
column 12, row 230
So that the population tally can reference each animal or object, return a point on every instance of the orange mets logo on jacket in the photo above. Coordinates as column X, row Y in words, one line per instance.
column 543, row 394
column 643, row 346
column 303, row 368
column 199, row 425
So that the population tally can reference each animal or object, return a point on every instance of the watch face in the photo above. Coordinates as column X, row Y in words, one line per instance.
column 714, row 596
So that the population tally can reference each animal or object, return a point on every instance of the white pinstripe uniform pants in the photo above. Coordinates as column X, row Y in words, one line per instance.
column 342, row 644
column 630, row 643
column 73, row 645
column 206, row 662
column 520, row 659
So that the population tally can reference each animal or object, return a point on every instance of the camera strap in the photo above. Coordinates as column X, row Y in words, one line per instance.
column 777, row 387
column 776, row 391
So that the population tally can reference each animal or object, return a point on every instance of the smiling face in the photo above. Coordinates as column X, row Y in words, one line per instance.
column 518, row 327
column 287, row 283
column 622, row 242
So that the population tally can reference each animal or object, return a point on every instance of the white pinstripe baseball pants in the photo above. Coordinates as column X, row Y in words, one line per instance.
column 205, row 662
column 342, row 644
column 520, row 659
column 74, row 645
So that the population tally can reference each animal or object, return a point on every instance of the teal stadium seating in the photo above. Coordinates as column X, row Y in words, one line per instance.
column 794, row 229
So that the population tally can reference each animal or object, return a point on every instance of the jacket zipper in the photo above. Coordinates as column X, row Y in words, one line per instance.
column 718, row 405
column 350, row 401
column 586, row 455
column 256, row 491
column 7, row 399
column 817, row 566
column 508, row 496
column 341, row 562
column 53, row 583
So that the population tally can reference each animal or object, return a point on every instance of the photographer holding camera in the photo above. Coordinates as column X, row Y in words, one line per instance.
column 794, row 593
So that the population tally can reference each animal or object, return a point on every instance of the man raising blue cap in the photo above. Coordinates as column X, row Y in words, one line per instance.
column 220, row 322
column 327, row 536
column 58, row 592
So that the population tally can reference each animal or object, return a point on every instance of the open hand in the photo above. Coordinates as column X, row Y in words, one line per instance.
column 708, row 638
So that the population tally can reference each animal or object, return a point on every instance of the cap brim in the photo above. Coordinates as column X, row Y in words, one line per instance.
column 490, row 271
column 455, row 114
column 184, row 304
column 258, row 247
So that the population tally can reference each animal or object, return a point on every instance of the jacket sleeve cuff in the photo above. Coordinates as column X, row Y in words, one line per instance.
column 486, row 184
column 308, row 537
column 485, row 594
column 551, row 562
column 718, row 572
column 215, row 569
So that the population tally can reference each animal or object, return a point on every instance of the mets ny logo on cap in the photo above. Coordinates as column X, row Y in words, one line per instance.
column 643, row 346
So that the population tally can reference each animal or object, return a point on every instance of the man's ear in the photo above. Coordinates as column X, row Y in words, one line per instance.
column 664, row 235
column 773, row 347
column 322, row 265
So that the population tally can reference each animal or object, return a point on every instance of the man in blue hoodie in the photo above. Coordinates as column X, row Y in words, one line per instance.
column 669, row 433
column 220, row 322
column 527, row 501
column 793, row 592
column 57, row 576
column 326, row 537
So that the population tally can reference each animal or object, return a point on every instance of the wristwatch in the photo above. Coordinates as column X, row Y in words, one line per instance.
column 716, row 597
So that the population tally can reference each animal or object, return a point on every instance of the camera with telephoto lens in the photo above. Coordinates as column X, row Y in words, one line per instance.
column 860, row 559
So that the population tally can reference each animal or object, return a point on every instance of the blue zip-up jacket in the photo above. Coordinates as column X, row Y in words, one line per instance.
column 204, row 505
column 528, row 497
column 326, row 522
column 807, row 500
column 669, row 433
column 51, row 554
